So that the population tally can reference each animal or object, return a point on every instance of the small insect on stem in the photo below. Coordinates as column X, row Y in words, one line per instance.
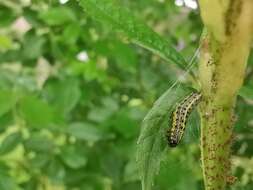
column 179, row 118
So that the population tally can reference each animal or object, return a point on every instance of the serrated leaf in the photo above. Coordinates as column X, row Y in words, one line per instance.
column 152, row 141
column 138, row 32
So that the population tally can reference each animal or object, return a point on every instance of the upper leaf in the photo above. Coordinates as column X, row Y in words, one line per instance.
column 138, row 32
column 152, row 141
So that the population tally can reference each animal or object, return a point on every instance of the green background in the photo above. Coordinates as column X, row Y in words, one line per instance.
column 73, row 93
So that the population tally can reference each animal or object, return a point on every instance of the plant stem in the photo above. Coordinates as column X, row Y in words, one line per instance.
column 224, row 55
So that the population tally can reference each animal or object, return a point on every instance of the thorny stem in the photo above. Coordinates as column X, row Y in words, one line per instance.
column 224, row 55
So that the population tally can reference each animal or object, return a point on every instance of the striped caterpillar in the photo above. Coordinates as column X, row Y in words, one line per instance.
column 179, row 118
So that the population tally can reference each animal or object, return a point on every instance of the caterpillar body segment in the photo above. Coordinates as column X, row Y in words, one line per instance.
column 179, row 118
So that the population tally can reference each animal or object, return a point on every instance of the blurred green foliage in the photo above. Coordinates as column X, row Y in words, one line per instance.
column 73, row 94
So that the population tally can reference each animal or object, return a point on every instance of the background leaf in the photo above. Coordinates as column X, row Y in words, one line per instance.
column 32, row 109
column 63, row 95
column 57, row 16
column 10, row 142
column 8, row 100
column 77, row 92
column 39, row 143
column 121, row 19
column 73, row 158
column 85, row 131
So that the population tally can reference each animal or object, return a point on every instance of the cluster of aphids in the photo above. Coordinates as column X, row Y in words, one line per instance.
column 179, row 118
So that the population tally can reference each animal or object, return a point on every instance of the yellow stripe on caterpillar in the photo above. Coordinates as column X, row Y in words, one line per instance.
column 179, row 118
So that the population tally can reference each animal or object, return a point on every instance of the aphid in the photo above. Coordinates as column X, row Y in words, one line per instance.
column 179, row 118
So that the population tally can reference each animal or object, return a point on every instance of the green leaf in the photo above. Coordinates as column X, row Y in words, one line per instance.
column 39, row 143
column 58, row 16
column 7, row 183
column 10, row 142
column 85, row 131
column 33, row 45
column 246, row 92
column 73, row 157
column 36, row 112
column 152, row 141
column 131, row 172
column 101, row 114
column 5, row 121
column 56, row 171
column 64, row 95
column 41, row 159
column 7, row 15
column 175, row 173
column 5, row 42
column 125, row 55
column 8, row 100
column 71, row 33
column 121, row 19
column 124, row 124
